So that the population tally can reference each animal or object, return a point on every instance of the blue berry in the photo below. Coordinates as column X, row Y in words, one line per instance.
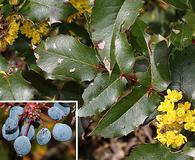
column 16, row 111
column 10, row 137
column 62, row 132
column 64, row 107
column 22, row 145
column 31, row 131
column 43, row 136
column 11, row 125
column 55, row 113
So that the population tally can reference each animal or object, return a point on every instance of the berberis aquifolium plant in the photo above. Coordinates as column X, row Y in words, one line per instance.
column 119, row 58
column 24, row 119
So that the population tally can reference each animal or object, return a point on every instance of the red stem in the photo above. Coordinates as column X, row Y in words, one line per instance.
column 27, row 128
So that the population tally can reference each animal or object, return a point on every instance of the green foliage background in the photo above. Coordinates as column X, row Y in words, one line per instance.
column 109, row 61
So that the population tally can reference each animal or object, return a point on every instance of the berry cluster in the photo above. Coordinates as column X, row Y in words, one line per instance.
column 22, row 121
column 176, row 117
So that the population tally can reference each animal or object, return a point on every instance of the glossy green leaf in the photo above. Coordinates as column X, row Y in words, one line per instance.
column 14, row 87
column 142, row 71
column 157, row 73
column 23, row 49
column 159, row 60
column 44, row 87
column 182, row 71
column 156, row 152
column 192, row 2
column 189, row 19
column 181, row 36
column 101, row 94
column 124, row 54
column 126, row 115
column 107, row 19
column 181, row 4
column 43, row 9
column 137, row 36
column 3, row 64
column 63, row 56
column 71, row 90
column 144, row 78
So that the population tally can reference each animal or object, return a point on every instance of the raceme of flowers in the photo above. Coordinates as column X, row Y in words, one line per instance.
column 82, row 6
column 35, row 32
column 15, row 23
column 176, row 116
column 9, row 31
column 11, row 25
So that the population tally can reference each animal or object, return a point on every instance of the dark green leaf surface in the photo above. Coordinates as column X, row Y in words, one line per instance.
column 155, row 152
column 14, row 87
column 157, row 73
column 144, row 78
column 3, row 64
column 63, row 56
column 44, row 87
column 181, row 36
column 106, row 21
column 124, row 54
column 71, row 90
column 160, row 72
column 127, row 114
column 137, row 38
column 181, row 4
column 55, row 10
column 182, row 71
column 101, row 94
column 143, row 71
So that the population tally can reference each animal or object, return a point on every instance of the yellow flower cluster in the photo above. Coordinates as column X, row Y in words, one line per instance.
column 81, row 6
column 33, row 32
column 175, row 117
column 10, row 33
column 11, row 26
column 14, row 2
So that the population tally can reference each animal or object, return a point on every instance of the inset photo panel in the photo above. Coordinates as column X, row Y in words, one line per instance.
column 38, row 130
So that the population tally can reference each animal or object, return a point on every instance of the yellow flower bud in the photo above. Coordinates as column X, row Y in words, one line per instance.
column 174, row 95
column 14, row 2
